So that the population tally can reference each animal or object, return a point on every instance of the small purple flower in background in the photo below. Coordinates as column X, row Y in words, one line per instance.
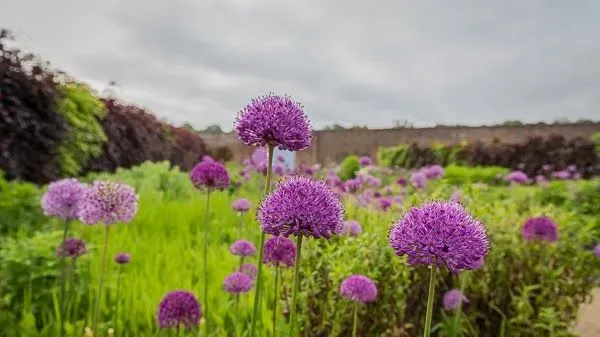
column 279, row 169
column 517, row 177
column 259, row 157
column 547, row 168
column 352, row 185
column 241, row 205
column 572, row 168
column 238, row 283
column 376, row 194
column 438, row 233
column 397, row 199
column 401, row 181
column 72, row 248
column 434, row 172
column 597, row 250
column 242, row 248
column 207, row 158
column 63, row 198
column 358, row 288
column 210, row 175
column 280, row 251
column 122, row 258
column 384, row 203
column 373, row 181
column 179, row 308
column 108, row 202
column 540, row 228
column 351, row 228
column 540, row 180
column 453, row 299
column 274, row 120
column 301, row 206
column 365, row 161
column 248, row 269
column 280, row 159
column 333, row 180
column 418, row 179
column 456, row 196
column 561, row 175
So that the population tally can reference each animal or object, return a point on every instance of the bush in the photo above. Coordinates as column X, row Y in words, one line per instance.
column 491, row 175
column 596, row 141
column 587, row 198
column 556, row 193
column 188, row 148
column 349, row 167
column 19, row 207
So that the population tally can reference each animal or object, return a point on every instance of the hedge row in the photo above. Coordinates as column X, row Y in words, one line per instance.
column 53, row 127
column 536, row 155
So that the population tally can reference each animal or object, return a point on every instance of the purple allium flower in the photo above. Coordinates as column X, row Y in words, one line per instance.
column 301, row 206
column 207, row 158
column 108, row 202
column 517, row 177
column 241, row 205
column 179, row 308
column 434, row 171
column 401, row 181
column 280, row 251
column 540, row 228
column 210, row 174
column 62, row 198
column 453, row 299
column 275, row 120
column 398, row 199
column 259, row 156
column 365, row 161
column 280, row 158
column 279, row 169
column 358, row 288
column 439, row 233
column 540, row 180
column 373, row 181
column 333, row 180
column 376, row 194
column 597, row 250
column 352, row 185
column 384, row 203
column 546, row 167
column 248, row 269
column 242, row 248
column 238, row 283
column 351, row 228
column 72, row 247
column 561, row 175
column 572, row 168
column 122, row 258
column 418, row 179
column 478, row 264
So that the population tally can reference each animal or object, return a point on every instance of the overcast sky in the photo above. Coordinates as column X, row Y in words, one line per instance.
column 348, row 61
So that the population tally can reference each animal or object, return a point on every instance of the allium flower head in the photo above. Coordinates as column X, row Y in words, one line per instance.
column 351, row 228
column 179, row 308
column 242, row 248
column 279, row 169
column 365, row 161
column 418, row 180
column 540, row 228
column 373, row 181
column 108, row 202
column 301, row 206
column 280, row 159
column 122, row 258
column 248, row 269
column 358, row 288
column 280, row 251
column 210, row 174
column 384, row 203
column 259, row 157
column 274, row 120
column 438, row 233
column 238, row 283
column 401, row 181
column 241, row 205
column 72, row 248
column 453, row 299
column 562, row 175
column 434, row 171
column 517, row 177
column 62, row 198
column 352, row 185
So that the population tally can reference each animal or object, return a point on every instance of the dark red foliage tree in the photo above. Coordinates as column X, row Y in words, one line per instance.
column 188, row 148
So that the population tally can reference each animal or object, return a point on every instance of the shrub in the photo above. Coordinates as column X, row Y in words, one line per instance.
column 188, row 148
column 587, row 198
column 19, row 207
column 491, row 175
column 349, row 167
column 596, row 141
column 556, row 193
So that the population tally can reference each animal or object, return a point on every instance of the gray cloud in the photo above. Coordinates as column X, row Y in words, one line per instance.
column 349, row 62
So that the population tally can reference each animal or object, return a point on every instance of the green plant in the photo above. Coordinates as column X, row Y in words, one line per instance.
column 596, row 139
column 458, row 175
column 19, row 207
column 587, row 198
column 555, row 193
column 349, row 167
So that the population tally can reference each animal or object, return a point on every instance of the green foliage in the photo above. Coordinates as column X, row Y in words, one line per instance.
column 587, row 198
column 555, row 193
column 83, row 113
column 596, row 140
column 349, row 168
column 394, row 156
column 459, row 175
column 19, row 207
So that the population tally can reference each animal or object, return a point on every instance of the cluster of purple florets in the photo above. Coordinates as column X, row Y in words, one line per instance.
column 243, row 248
column 280, row 251
column 179, row 308
column 63, row 199
column 540, row 229
column 358, row 288
column 72, row 248
column 453, row 299
column 238, row 283
column 108, row 202
column 210, row 174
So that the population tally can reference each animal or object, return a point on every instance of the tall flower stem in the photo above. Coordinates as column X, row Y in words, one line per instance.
column 101, row 282
column 261, row 250
column 355, row 321
column 430, row 296
column 235, row 322
column 117, row 297
column 63, row 278
column 276, row 294
column 205, row 263
column 295, row 286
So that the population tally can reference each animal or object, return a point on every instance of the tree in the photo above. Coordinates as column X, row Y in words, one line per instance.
column 213, row 128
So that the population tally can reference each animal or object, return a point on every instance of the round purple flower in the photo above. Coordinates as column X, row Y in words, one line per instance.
column 279, row 169
column 517, row 177
column 373, row 181
column 438, row 233
column 418, row 179
column 179, row 308
column 72, row 248
column 238, row 283
column 108, row 202
column 540, row 228
column 241, row 205
column 434, row 171
column 210, row 174
column 280, row 251
column 351, row 228
column 242, row 248
column 280, row 158
column 365, row 161
column 352, row 185
column 562, row 175
column 301, row 206
column 384, row 203
column 259, row 157
column 62, row 198
column 358, row 288
column 274, row 120
column 453, row 299
column 248, row 269
column 122, row 258
column 401, row 181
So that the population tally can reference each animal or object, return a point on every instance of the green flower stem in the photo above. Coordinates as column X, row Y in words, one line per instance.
column 295, row 286
column 276, row 294
column 205, row 263
column 235, row 322
column 63, row 278
column 101, row 282
column 261, row 251
column 355, row 323
column 430, row 296
column 117, row 297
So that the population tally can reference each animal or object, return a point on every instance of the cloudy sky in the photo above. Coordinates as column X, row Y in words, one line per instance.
column 353, row 62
